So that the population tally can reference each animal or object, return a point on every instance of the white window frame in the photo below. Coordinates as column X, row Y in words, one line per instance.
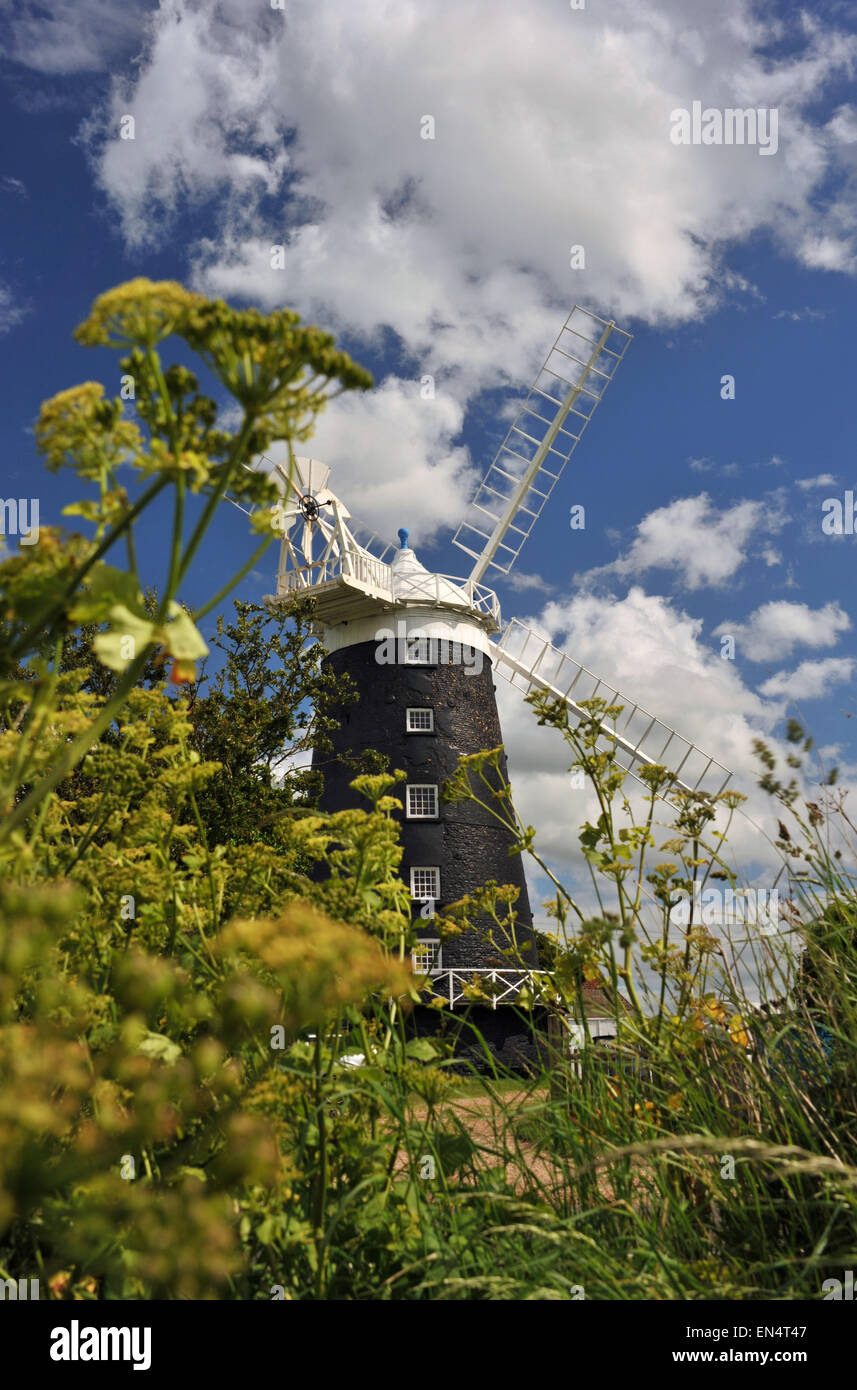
column 425, row 869
column 419, row 709
column 424, row 963
column 410, row 814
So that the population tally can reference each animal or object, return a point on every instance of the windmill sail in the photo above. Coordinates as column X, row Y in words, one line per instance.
column 529, row 661
column 541, row 440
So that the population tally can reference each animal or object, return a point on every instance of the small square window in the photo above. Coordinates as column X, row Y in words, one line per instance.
column 426, row 957
column 425, row 884
column 422, row 801
column 420, row 721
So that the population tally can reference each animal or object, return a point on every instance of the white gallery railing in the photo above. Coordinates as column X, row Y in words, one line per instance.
column 471, row 984
column 429, row 590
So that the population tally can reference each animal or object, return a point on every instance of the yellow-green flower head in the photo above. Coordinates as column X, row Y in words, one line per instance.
column 77, row 403
column 140, row 312
column 79, row 426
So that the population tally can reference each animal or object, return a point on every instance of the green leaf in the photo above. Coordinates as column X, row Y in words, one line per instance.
column 422, row 1050
column 181, row 636
column 266, row 1231
column 593, row 856
column 106, row 587
column 128, row 636
column 161, row 1048
column 186, row 1171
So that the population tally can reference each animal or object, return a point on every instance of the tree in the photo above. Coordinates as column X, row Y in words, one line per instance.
column 270, row 697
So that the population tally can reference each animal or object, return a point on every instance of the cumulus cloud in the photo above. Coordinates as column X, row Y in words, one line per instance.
column 702, row 545
column 520, row 582
column 822, row 480
column 549, row 127
column 821, row 252
column 773, row 630
column 811, row 680
column 708, row 465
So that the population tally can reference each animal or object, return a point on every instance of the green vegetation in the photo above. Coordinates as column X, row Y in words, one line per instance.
column 179, row 987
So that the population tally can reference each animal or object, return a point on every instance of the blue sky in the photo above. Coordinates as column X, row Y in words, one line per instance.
column 256, row 127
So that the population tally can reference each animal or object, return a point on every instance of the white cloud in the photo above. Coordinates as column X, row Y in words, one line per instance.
column 773, row 630
column 797, row 315
column 702, row 545
column 522, row 583
column 552, row 129
column 811, row 680
column 297, row 758
column 13, row 186
column 708, row 465
column 843, row 125
column 11, row 311
column 657, row 656
column 58, row 38
column 822, row 480
column 822, row 252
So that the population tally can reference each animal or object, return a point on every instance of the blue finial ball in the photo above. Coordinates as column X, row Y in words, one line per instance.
column 403, row 537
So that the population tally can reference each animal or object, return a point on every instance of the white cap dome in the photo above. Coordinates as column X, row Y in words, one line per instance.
column 411, row 580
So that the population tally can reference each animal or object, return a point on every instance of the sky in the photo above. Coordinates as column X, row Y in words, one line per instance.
column 551, row 127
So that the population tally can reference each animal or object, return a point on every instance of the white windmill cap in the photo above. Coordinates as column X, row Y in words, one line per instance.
column 411, row 580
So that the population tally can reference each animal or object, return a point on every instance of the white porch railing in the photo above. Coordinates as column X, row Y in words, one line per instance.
column 427, row 590
column 459, row 986
column 365, row 569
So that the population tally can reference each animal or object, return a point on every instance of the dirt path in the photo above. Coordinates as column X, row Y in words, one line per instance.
column 489, row 1125
column 529, row 1167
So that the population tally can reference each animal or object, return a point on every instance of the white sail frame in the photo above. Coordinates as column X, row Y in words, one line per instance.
column 541, row 440
column 530, row 661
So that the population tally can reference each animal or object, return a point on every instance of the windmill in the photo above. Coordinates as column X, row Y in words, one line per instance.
column 423, row 650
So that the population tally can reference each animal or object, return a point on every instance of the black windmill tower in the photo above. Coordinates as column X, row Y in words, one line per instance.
column 424, row 650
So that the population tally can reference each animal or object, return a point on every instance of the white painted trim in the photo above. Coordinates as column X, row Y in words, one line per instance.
column 421, row 622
